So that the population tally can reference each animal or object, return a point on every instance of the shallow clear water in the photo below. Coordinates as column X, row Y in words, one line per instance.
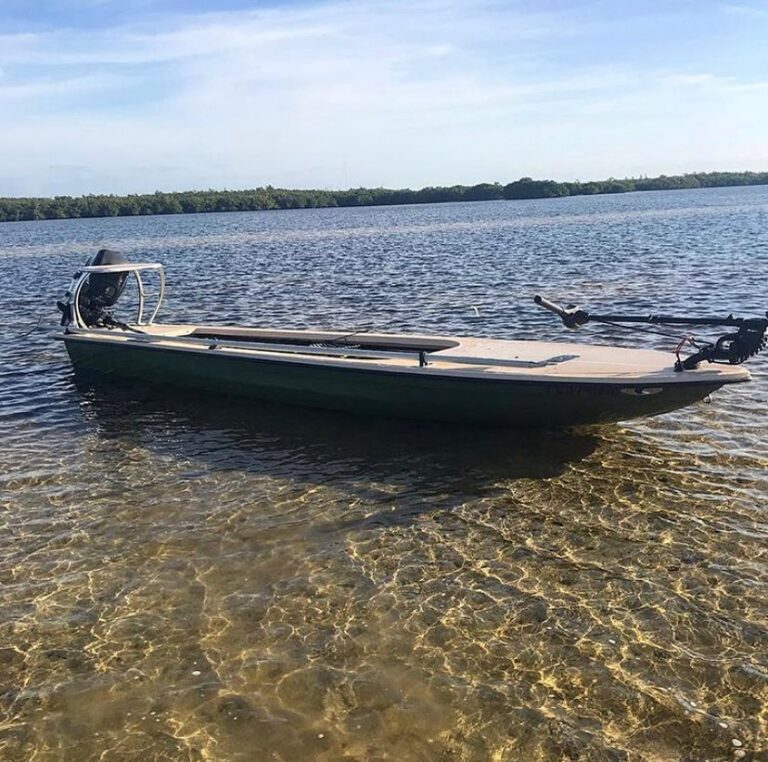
column 184, row 578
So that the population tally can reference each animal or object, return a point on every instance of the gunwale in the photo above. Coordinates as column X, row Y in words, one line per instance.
column 449, row 356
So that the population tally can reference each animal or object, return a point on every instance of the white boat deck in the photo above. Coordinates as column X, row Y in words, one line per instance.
column 445, row 355
column 583, row 362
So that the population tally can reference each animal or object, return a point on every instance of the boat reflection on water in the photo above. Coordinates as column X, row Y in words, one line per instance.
column 315, row 447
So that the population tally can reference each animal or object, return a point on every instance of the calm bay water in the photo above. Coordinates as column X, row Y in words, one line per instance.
column 188, row 578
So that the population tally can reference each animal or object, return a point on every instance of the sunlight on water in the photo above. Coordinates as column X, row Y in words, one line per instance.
column 191, row 579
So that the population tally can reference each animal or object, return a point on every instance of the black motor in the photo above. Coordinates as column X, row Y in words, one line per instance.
column 99, row 293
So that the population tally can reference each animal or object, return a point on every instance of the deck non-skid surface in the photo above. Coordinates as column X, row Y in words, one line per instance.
column 529, row 360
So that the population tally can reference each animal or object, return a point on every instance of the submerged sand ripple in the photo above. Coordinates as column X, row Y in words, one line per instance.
column 188, row 581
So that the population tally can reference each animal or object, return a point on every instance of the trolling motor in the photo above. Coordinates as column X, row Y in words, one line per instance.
column 99, row 294
column 731, row 348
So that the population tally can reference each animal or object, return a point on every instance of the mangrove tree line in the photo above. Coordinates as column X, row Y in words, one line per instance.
column 188, row 202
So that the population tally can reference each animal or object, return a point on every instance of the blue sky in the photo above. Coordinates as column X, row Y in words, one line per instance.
column 140, row 95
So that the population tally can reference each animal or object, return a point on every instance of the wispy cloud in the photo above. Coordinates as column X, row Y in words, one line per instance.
column 715, row 83
column 745, row 11
column 356, row 92
column 61, row 87
column 126, row 46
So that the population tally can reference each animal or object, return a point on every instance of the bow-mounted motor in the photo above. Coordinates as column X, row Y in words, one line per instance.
column 732, row 348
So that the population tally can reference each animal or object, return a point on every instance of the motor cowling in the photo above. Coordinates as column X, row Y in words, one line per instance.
column 99, row 293
column 102, row 290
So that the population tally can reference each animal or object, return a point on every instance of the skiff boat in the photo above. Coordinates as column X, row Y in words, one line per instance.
column 448, row 378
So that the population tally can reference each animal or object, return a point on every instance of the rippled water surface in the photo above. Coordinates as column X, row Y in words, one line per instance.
column 183, row 578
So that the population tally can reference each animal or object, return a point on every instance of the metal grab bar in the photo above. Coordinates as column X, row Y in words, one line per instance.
column 136, row 269
column 123, row 268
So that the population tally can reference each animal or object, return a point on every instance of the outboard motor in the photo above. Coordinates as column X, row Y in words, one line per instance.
column 102, row 289
column 100, row 292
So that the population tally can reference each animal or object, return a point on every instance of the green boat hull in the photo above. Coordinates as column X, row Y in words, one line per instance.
column 414, row 395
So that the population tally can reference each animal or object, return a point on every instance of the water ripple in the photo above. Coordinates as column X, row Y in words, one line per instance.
column 190, row 581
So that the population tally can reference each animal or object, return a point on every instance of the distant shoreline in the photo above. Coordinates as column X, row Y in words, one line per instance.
column 262, row 199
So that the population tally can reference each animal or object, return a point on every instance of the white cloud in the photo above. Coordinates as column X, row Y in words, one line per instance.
column 126, row 46
column 744, row 11
column 347, row 93
column 44, row 88
column 411, row 26
column 714, row 83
